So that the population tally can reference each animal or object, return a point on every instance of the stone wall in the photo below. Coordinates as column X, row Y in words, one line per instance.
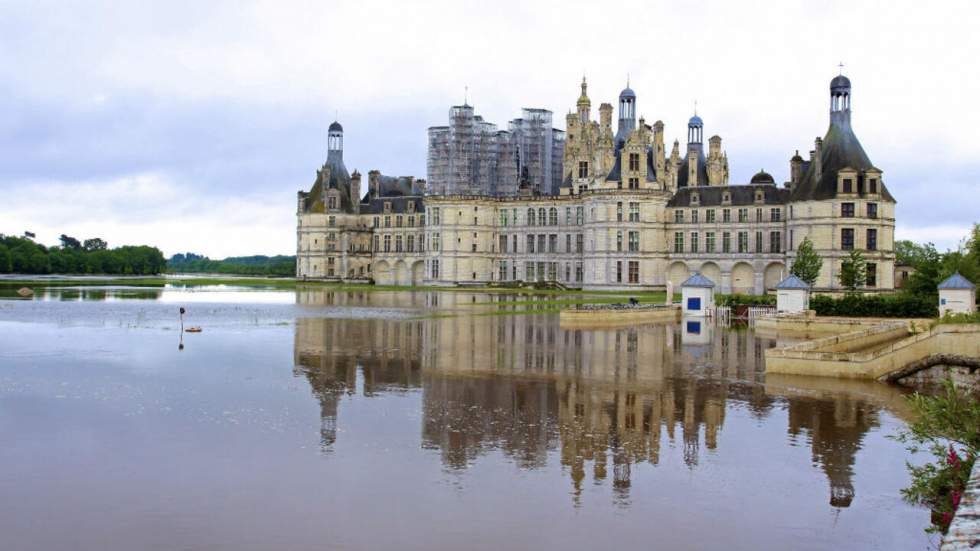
column 964, row 532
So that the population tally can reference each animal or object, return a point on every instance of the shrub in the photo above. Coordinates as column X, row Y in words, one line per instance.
column 745, row 300
column 883, row 306
column 948, row 425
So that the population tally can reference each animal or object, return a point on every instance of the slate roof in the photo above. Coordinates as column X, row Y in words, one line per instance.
column 840, row 149
column 793, row 282
column 399, row 204
column 616, row 174
column 338, row 178
column 956, row 281
column 698, row 280
column 741, row 195
column 702, row 170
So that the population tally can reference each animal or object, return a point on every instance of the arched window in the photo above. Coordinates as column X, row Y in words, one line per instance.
column 530, row 217
column 553, row 216
column 542, row 216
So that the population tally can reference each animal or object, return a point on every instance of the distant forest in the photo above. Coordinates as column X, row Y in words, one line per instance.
column 22, row 255
column 240, row 265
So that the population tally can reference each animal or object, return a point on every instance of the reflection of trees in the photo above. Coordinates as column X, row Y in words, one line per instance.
column 835, row 429
column 604, row 400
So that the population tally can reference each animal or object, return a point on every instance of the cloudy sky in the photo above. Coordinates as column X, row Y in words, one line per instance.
column 191, row 125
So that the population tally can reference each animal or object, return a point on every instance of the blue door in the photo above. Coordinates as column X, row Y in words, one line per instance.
column 693, row 303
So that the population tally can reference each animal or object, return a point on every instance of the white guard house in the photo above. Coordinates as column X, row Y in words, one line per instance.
column 792, row 295
column 957, row 295
column 698, row 296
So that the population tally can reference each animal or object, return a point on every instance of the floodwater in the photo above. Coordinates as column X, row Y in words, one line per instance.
column 394, row 420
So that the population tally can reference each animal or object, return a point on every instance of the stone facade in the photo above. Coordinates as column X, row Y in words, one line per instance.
column 625, row 216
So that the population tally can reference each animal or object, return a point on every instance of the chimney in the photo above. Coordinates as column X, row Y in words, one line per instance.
column 795, row 169
column 605, row 116
column 355, row 192
column 818, row 158
column 374, row 183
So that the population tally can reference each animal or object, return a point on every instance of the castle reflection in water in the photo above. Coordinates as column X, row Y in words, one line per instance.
column 603, row 398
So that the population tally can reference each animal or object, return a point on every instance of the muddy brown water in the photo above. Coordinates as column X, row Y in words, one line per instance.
column 322, row 420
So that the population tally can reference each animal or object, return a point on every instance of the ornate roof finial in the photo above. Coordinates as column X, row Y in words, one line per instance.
column 695, row 108
column 841, row 67
column 466, row 94
column 627, row 80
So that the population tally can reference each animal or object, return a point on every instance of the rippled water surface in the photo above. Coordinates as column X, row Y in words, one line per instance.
column 328, row 420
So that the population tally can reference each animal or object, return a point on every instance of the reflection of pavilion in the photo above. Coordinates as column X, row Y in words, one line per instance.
column 602, row 399
column 836, row 429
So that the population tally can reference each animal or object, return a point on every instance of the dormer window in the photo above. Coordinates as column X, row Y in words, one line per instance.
column 387, row 206
column 726, row 197
column 847, row 186
column 872, row 185
column 695, row 198
column 759, row 197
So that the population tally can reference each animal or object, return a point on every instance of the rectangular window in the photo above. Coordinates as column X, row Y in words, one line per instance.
column 872, row 239
column 578, row 272
column 411, row 243
column 619, row 271
column 848, row 185
column 634, row 183
column 377, row 243
column 619, row 241
column 503, row 218
column 871, row 274
column 709, row 216
column 743, row 241
column 529, row 271
column 634, row 271
column 553, row 216
column 503, row 270
column 775, row 215
column 434, row 216
column 398, row 221
column 678, row 242
column 847, row 210
column 503, row 243
column 709, row 242
column 694, row 216
column 634, row 241
column 541, row 242
column 552, row 271
column 513, row 244
column 758, row 241
column 540, row 271
column 678, row 217
column 726, row 215
column 583, row 169
column 530, row 244
column 579, row 215
column 758, row 215
column 873, row 185
column 847, row 238
column 387, row 221
column 568, row 216
column 377, row 221
column 726, row 242
column 634, row 212
column 398, row 243
column 331, row 202
column 694, row 241
column 473, row 245
column 435, row 269
column 387, row 242
column 775, row 241
column 872, row 210
column 568, row 244
column 619, row 212
column 553, row 243
column 634, row 161
column 579, row 243
column 743, row 215
column 411, row 221
column 436, row 242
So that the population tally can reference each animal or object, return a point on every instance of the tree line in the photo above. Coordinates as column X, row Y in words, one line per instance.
column 23, row 255
column 192, row 263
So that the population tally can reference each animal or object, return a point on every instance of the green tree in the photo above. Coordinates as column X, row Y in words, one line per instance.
column 95, row 244
column 69, row 242
column 6, row 264
column 807, row 264
column 853, row 270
